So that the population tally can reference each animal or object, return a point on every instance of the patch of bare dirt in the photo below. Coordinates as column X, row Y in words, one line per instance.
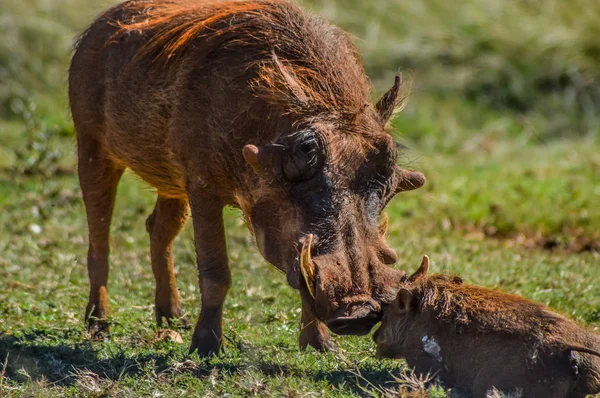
column 575, row 241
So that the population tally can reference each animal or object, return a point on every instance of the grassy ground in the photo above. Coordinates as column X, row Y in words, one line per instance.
column 511, row 202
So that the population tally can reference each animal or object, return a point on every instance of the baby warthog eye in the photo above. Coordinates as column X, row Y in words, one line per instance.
column 303, row 159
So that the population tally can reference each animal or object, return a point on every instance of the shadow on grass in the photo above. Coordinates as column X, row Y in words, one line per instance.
column 359, row 380
column 42, row 356
column 32, row 360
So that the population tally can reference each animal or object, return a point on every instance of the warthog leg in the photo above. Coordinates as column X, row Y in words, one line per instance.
column 213, row 270
column 163, row 225
column 98, row 178
column 313, row 332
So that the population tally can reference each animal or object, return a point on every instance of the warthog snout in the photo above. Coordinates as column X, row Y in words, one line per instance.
column 348, row 291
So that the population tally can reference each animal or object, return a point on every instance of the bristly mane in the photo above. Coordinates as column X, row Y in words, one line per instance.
column 469, row 307
column 287, row 47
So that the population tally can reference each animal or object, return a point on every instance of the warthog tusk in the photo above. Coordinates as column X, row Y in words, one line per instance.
column 307, row 267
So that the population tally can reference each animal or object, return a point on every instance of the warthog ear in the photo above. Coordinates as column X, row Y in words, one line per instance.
column 404, row 298
column 407, row 180
column 422, row 271
column 391, row 101
column 294, row 88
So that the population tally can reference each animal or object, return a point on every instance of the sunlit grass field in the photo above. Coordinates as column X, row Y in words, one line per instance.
column 503, row 120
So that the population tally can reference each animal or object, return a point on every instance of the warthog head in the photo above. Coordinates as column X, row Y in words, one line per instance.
column 319, row 216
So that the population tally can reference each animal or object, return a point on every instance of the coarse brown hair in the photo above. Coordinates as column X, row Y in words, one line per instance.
column 300, row 75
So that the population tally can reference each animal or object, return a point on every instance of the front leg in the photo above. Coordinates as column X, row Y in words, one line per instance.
column 313, row 331
column 213, row 271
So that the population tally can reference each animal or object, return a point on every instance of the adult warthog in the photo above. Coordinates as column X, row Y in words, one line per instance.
column 251, row 104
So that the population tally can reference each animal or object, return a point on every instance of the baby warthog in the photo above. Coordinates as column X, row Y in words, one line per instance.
column 478, row 339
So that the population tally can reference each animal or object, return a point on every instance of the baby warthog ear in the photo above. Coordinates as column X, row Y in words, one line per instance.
column 404, row 298
column 422, row 271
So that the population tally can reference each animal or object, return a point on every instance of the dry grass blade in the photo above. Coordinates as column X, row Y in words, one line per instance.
column 517, row 393
column 411, row 385
column 4, row 369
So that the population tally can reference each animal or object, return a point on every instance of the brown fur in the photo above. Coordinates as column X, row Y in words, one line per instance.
column 488, row 339
column 277, row 34
column 251, row 104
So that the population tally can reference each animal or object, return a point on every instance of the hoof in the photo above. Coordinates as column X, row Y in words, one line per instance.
column 316, row 336
column 97, row 329
column 206, row 342
column 321, row 346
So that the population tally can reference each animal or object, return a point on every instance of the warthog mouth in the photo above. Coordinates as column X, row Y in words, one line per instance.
column 360, row 322
column 355, row 317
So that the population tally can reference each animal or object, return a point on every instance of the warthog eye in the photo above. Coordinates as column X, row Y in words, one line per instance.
column 303, row 159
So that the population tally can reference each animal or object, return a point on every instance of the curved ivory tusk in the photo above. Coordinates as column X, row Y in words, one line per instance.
column 307, row 267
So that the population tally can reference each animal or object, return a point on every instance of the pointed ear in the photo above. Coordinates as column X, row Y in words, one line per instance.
column 294, row 88
column 422, row 271
column 391, row 101
column 404, row 299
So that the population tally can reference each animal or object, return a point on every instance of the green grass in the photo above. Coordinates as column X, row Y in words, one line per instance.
column 506, row 183
column 44, row 284
column 538, row 58
column 44, row 288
